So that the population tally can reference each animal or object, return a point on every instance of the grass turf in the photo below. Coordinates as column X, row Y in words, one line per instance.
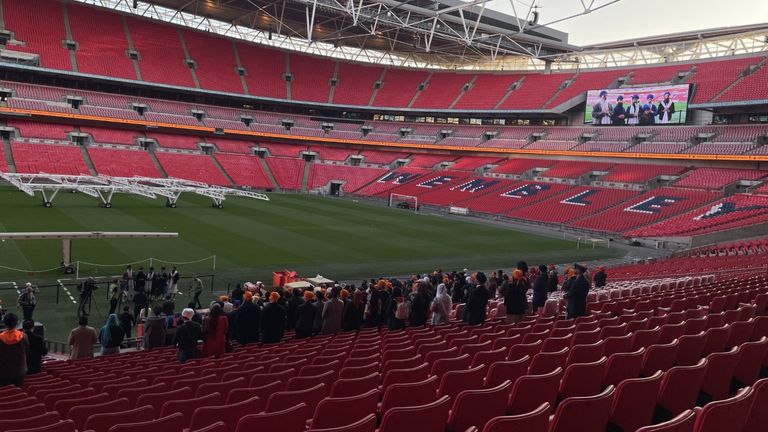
column 340, row 239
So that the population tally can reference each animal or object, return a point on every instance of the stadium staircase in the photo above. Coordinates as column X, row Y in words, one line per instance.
column 88, row 161
column 131, row 48
column 223, row 171
column 288, row 95
column 511, row 89
column 419, row 90
column 157, row 163
column 461, row 93
column 305, row 175
column 268, row 173
column 187, row 57
column 334, row 78
column 68, row 28
column 239, row 64
column 376, row 90
column 9, row 156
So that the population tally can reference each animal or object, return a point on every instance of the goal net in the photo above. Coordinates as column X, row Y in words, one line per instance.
column 407, row 202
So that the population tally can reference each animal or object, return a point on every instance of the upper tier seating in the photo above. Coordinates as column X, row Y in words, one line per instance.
column 716, row 178
column 399, row 87
column 713, row 77
column 123, row 163
column 534, row 91
column 195, row 167
column 215, row 61
column 751, row 86
column 265, row 68
column 245, row 170
column 161, row 53
column 586, row 81
column 48, row 159
column 733, row 212
column 99, row 35
column 354, row 178
column 721, row 148
column 442, row 89
column 311, row 78
column 44, row 40
column 161, row 59
column 647, row 208
column 486, row 91
column 656, row 74
column 355, row 83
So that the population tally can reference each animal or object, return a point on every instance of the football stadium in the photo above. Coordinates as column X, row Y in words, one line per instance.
column 383, row 216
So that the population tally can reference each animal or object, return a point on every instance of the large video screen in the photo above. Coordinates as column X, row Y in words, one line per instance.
column 641, row 106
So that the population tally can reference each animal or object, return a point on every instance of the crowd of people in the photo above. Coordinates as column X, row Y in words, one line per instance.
column 251, row 314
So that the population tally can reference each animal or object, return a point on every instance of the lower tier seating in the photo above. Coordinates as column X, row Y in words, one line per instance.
column 195, row 167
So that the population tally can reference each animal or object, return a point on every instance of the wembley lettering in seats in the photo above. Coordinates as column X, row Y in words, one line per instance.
column 437, row 181
column 654, row 205
column 580, row 198
column 398, row 177
column 725, row 208
column 474, row 185
column 525, row 191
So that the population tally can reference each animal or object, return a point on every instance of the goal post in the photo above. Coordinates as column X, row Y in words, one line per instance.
column 408, row 202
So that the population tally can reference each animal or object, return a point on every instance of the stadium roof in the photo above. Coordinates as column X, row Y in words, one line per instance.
column 462, row 34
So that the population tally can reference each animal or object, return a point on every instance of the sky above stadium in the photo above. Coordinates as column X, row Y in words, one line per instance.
column 629, row 19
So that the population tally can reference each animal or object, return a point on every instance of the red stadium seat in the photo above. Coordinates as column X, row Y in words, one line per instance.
column 684, row 422
column 205, row 415
column 635, row 401
column 690, row 349
column 156, row 400
column 424, row 418
column 545, row 362
column 454, row 382
column 215, row 427
column 80, row 413
column 292, row 419
column 366, row 424
column 188, row 406
column 535, row 421
column 61, row 426
column 41, row 420
column 283, row 400
column 476, row 407
column 623, row 366
column 355, row 386
column 335, row 412
column 583, row 413
column 583, row 379
column 103, row 422
column 727, row 415
column 240, row 394
column 530, row 391
column 498, row 372
column 172, row 423
column 758, row 415
column 720, row 370
column 680, row 388
column 751, row 359
column 659, row 357
column 409, row 394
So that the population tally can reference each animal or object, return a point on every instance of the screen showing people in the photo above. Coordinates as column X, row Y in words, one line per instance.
column 641, row 106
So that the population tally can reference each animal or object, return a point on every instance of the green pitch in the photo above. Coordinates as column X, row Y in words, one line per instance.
column 340, row 239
